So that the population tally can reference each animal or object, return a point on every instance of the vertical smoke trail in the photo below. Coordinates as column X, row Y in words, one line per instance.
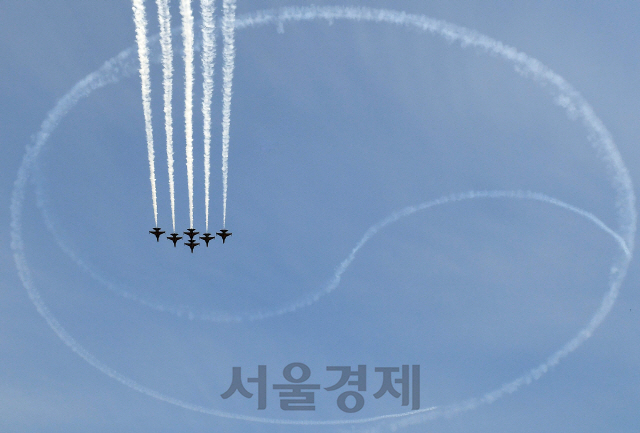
column 228, row 56
column 187, row 36
column 164, row 17
column 143, row 53
column 208, row 58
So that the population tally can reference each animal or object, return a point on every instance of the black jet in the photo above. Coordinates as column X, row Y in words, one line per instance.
column 191, row 233
column 223, row 234
column 192, row 244
column 156, row 231
column 175, row 238
column 207, row 237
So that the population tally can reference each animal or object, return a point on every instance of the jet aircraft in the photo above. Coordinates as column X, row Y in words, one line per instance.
column 192, row 244
column 175, row 238
column 207, row 237
column 191, row 233
column 223, row 234
column 156, row 231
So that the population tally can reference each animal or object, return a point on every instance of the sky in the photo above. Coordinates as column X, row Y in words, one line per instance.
column 354, row 151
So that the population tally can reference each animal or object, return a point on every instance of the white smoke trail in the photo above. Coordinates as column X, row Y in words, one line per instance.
column 228, row 57
column 566, row 96
column 208, row 58
column 373, row 230
column 164, row 17
column 188, row 37
column 143, row 53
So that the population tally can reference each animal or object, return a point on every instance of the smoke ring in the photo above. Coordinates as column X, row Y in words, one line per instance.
column 566, row 96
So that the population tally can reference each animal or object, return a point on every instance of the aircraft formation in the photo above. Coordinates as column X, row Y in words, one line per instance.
column 191, row 233
column 208, row 54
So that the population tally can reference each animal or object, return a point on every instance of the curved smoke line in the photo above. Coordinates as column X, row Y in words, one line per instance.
column 566, row 96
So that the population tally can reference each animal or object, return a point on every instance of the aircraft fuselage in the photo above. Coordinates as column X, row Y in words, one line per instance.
column 157, row 232
column 191, row 233
column 223, row 234
column 192, row 244
column 207, row 237
column 175, row 238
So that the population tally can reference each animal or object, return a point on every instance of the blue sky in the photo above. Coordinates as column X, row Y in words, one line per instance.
column 335, row 126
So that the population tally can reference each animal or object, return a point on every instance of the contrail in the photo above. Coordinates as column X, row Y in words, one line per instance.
column 228, row 57
column 373, row 230
column 565, row 95
column 164, row 17
column 143, row 53
column 208, row 57
column 187, row 36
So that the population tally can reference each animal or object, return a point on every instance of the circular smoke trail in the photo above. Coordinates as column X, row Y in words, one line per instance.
column 564, row 95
